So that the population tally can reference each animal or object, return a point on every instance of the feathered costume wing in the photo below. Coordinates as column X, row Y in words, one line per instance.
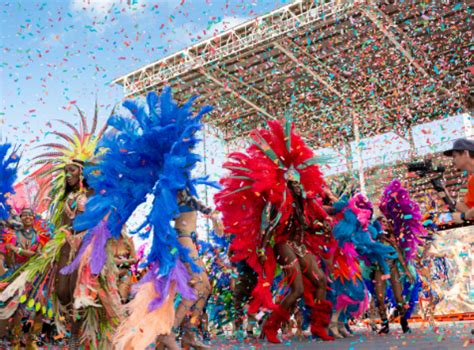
column 9, row 160
column 407, row 220
column 148, row 154
column 257, row 177
column 8, row 171
column 355, row 227
column 405, row 214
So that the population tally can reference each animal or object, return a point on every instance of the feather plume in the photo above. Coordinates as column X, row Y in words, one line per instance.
column 141, row 327
column 16, row 288
column 355, row 228
column 80, row 145
column 149, row 154
column 9, row 161
column 405, row 214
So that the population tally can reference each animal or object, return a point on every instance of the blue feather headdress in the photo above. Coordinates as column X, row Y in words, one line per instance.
column 149, row 154
column 356, row 228
column 8, row 171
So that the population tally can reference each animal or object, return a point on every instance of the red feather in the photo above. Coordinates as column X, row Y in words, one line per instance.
column 254, row 180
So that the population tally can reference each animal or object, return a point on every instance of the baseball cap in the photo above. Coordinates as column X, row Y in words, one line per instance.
column 460, row 145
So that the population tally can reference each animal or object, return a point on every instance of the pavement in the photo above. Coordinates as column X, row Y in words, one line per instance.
column 447, row 336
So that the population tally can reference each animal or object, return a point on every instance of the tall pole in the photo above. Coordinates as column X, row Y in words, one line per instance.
column 355, row 120
column 206, row 199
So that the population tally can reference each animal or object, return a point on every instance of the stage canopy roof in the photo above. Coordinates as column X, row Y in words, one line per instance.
column 344, row 69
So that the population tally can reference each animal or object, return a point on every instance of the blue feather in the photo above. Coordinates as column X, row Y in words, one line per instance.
column 9, row 161
column 410, row 291
column 350, row 230
column 149, row 154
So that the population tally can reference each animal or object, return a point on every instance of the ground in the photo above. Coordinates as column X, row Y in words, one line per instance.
column 449, row 336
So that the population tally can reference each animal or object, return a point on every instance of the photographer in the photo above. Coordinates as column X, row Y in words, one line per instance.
column 463, row 159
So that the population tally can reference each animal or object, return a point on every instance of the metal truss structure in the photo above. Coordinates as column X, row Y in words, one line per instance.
column 338, row 66
column 344, row 69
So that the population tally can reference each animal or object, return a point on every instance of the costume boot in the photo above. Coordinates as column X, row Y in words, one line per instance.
column 385, row 327
column 320, row 319
column 403, row 319
column 273, row 324
column 404, row 324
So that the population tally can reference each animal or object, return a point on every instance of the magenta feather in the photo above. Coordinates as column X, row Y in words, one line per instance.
column 406, row 217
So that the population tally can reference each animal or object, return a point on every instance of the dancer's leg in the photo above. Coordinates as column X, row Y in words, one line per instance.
column 333, row 326
column 34, row 332
column 16, row 330
column 321, row 311
column 372, row 313
column 64, row 288
column 311, row 271
column 290, row 265
column 397, row 289
column 200, row 283
column 193, row 308
column 124, row 286
column 380, row 290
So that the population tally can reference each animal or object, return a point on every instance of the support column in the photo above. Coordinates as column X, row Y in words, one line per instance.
column 355, row 121
column 355, row 118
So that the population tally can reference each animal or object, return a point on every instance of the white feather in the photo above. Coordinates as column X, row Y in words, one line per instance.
column 16, row 288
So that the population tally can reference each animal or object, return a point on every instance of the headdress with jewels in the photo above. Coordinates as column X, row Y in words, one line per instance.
column 77, row 147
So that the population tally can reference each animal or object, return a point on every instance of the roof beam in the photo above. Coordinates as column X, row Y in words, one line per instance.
column 235, row 93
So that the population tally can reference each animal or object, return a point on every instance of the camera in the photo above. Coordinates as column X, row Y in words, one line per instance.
column 425, row 167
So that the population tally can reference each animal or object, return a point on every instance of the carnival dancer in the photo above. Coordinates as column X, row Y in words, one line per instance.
column 355, row 228
column 347, row 292
column 404, row 232
column 86, row 317
column 20, row 240
column 271, row 203
column 9, row 161
column 21, row 244
column 147, row 154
